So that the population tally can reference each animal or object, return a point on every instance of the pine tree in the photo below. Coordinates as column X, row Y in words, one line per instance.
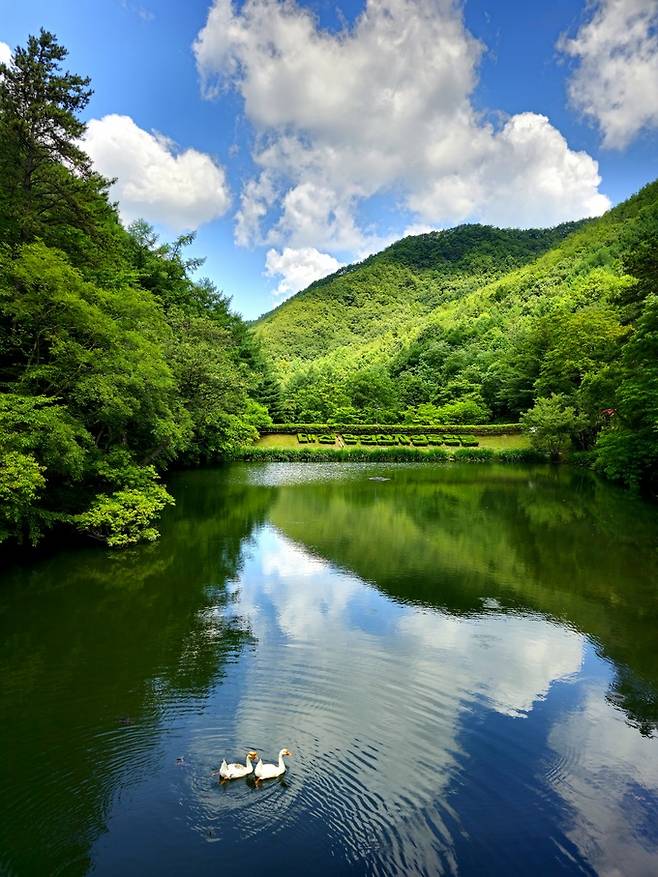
column 46, row 179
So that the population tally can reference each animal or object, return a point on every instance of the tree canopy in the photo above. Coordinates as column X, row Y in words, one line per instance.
column 114, row 360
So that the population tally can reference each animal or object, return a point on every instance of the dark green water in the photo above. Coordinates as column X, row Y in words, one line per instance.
column 463, row 659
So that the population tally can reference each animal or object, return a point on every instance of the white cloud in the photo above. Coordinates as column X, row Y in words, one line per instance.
column 615, row 82
column 298, row 268
column 5, row 53
column 381, row 108
column 155, row 180
column 528, row 176
column 256, row 199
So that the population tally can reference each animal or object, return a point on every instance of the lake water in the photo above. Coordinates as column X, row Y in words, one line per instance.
column 463, row 660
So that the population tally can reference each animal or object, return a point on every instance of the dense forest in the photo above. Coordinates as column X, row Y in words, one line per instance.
column 558, row 328
column 114, row 362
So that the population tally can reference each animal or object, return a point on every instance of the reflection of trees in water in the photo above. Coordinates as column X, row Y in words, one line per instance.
column 557, row 541
column 106, row 642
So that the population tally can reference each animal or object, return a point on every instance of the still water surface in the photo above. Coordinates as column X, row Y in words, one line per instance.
column 463, row 659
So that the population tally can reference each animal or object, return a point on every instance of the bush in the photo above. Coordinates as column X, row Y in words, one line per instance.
column 520, row 455
column 376, row 428
column 474, row 455
column 327, row 439
column 302, row 438
column 387, row 455
column 469, row 443
column 347, row 455
column 418, row 440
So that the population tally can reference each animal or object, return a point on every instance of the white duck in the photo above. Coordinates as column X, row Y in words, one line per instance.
column 271, row 771
column 236, row 771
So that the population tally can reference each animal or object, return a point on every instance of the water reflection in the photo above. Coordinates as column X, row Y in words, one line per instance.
column 462, row 660
column 102, row 656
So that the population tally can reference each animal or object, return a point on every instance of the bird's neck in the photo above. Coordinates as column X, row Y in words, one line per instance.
column 281, row 764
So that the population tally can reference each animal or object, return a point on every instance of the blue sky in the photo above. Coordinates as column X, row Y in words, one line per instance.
column 295, row 138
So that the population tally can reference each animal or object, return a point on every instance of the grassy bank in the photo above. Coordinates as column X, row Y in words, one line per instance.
column 285, row 441
column 260, row 454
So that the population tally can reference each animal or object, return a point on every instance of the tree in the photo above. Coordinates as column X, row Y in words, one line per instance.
column 551, row 424
column 628, row 450
column 40, row 130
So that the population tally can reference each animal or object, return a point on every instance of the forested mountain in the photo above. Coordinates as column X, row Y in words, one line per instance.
column 472, row 324
column 393, row 289
column 114, row 363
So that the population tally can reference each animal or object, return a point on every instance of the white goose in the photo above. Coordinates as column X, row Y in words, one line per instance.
column 236, row 771
column 271, row 771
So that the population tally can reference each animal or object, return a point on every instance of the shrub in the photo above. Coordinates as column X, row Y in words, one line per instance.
column 387, row 455
column 469, row 443
column 376, row 428
column 474, row 455
column 435, row 440
column 404, row 440
column 419, row 440
column 331, row 455
column 327, row 439
column 520, row 455
column 302, row 438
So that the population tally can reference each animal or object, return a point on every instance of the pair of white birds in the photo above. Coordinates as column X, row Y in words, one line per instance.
column 262, row 771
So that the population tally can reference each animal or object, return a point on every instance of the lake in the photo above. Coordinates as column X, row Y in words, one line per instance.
column 463, row 660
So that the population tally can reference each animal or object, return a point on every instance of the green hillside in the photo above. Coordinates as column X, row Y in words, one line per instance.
column 396, row 287
column 477, row 323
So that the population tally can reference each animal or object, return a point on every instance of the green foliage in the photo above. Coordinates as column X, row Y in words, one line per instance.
column 125, row 516
column 627, row 450
column 404, row 454
column 37, row 427
column 376, row 428
column 477, row 324
column 21, row 482
column 474, row 455
column 114, row 362
column 551, row 425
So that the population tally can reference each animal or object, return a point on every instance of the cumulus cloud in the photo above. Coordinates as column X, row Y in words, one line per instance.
column 298, row 268
column 5, row 53
column 180, row 189
column 381, row 108
column 528, row 177
column 615, row 79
